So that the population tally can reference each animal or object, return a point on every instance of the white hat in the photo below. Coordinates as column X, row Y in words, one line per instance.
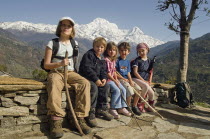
column 67, row 18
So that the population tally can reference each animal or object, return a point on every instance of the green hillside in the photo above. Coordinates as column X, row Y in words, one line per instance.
column 198, row 70
column 19, row 58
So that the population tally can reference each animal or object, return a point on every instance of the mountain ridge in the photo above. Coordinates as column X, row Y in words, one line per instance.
column 98, row 27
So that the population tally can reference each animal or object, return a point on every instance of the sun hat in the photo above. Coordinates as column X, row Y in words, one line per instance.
column 67, row 18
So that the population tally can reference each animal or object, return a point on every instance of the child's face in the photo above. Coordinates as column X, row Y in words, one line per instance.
column 66, row 28
column 143, row 52
column 99, row 49
column 112, row 52
column 123, row 53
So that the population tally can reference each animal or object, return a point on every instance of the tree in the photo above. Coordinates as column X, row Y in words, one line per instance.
column 181, row 22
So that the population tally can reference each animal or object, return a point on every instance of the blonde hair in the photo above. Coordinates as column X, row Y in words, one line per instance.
column 110, row 46
column 58, row 30
column 99, row 41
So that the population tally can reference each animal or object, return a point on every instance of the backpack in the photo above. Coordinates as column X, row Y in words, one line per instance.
column 183, row 95
column 55, row 51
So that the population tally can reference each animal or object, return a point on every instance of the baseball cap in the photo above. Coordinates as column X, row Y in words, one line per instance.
column 67, row 18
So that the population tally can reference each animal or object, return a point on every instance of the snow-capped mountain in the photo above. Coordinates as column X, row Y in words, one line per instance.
column 98, row 27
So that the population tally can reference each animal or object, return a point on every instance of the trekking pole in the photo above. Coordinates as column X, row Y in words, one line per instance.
column 69, row 99
column 136, row 92
column 147, row 103
column 133, row 115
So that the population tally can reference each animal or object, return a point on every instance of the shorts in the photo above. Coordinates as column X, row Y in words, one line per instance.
column 129, row 88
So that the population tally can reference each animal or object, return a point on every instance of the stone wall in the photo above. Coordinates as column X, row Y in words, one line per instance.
column 23, row 109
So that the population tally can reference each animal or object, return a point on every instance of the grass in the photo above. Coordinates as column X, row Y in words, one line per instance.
column 203, row 104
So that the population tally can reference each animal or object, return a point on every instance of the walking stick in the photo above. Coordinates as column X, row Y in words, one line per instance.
column 68, row 97
column 136, row 92
column 147, row 103
column 133, row 115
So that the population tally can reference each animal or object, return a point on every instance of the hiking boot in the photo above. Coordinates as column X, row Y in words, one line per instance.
column 91, row 119
column 56, row 128
column 86, row 129
column 105, row 114
column 136, row 110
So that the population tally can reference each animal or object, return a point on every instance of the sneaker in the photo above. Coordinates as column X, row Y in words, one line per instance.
column 141, row 107
column 56, row 130
column 124, row 111
column 91, row 119
column 105, row 114
column 86, row 129
column 114, row 113
column 136, row 110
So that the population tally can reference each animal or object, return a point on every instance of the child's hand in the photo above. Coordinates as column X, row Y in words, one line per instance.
column 126, row 80
column 131, row 83
column 103, row 82
column 64, row 62
column 98, row 83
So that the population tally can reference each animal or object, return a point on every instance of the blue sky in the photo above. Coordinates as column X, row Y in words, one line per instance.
column 125, row 13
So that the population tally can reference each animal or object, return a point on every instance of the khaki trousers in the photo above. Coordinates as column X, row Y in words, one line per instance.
column 55, row 87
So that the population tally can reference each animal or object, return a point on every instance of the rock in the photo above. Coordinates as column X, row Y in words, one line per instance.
column 10, row 95
column 15, row 130
column 30, row 95
column 14, row 111
column 126, row 132
column 170, row 135
column 64, row 96
column 26, row 100
column 193, row 128
column 8, row 122
column 164, row 126
column 31, row 119
column 37, row 91
column 7, row 102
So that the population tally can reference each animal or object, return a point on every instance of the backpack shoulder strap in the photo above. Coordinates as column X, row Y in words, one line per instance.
column 75, row 47
column 55, row 46
column 73, row 43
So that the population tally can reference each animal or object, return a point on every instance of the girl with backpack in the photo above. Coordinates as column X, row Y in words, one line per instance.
column 141, row 67
column 117, row 103
column 65, row 31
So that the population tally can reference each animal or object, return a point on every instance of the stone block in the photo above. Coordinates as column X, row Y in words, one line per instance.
column 37, row 92
column 31, row 120
column 21, row 92
column 10, row 95
column 63, row 96
column 15, row 130
column 8, row 122
column 7, row 102
column 26, row 100
column 30, row 95
column 14, row 111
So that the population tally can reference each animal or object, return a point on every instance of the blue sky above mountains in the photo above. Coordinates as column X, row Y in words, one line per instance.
column 126, row 14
